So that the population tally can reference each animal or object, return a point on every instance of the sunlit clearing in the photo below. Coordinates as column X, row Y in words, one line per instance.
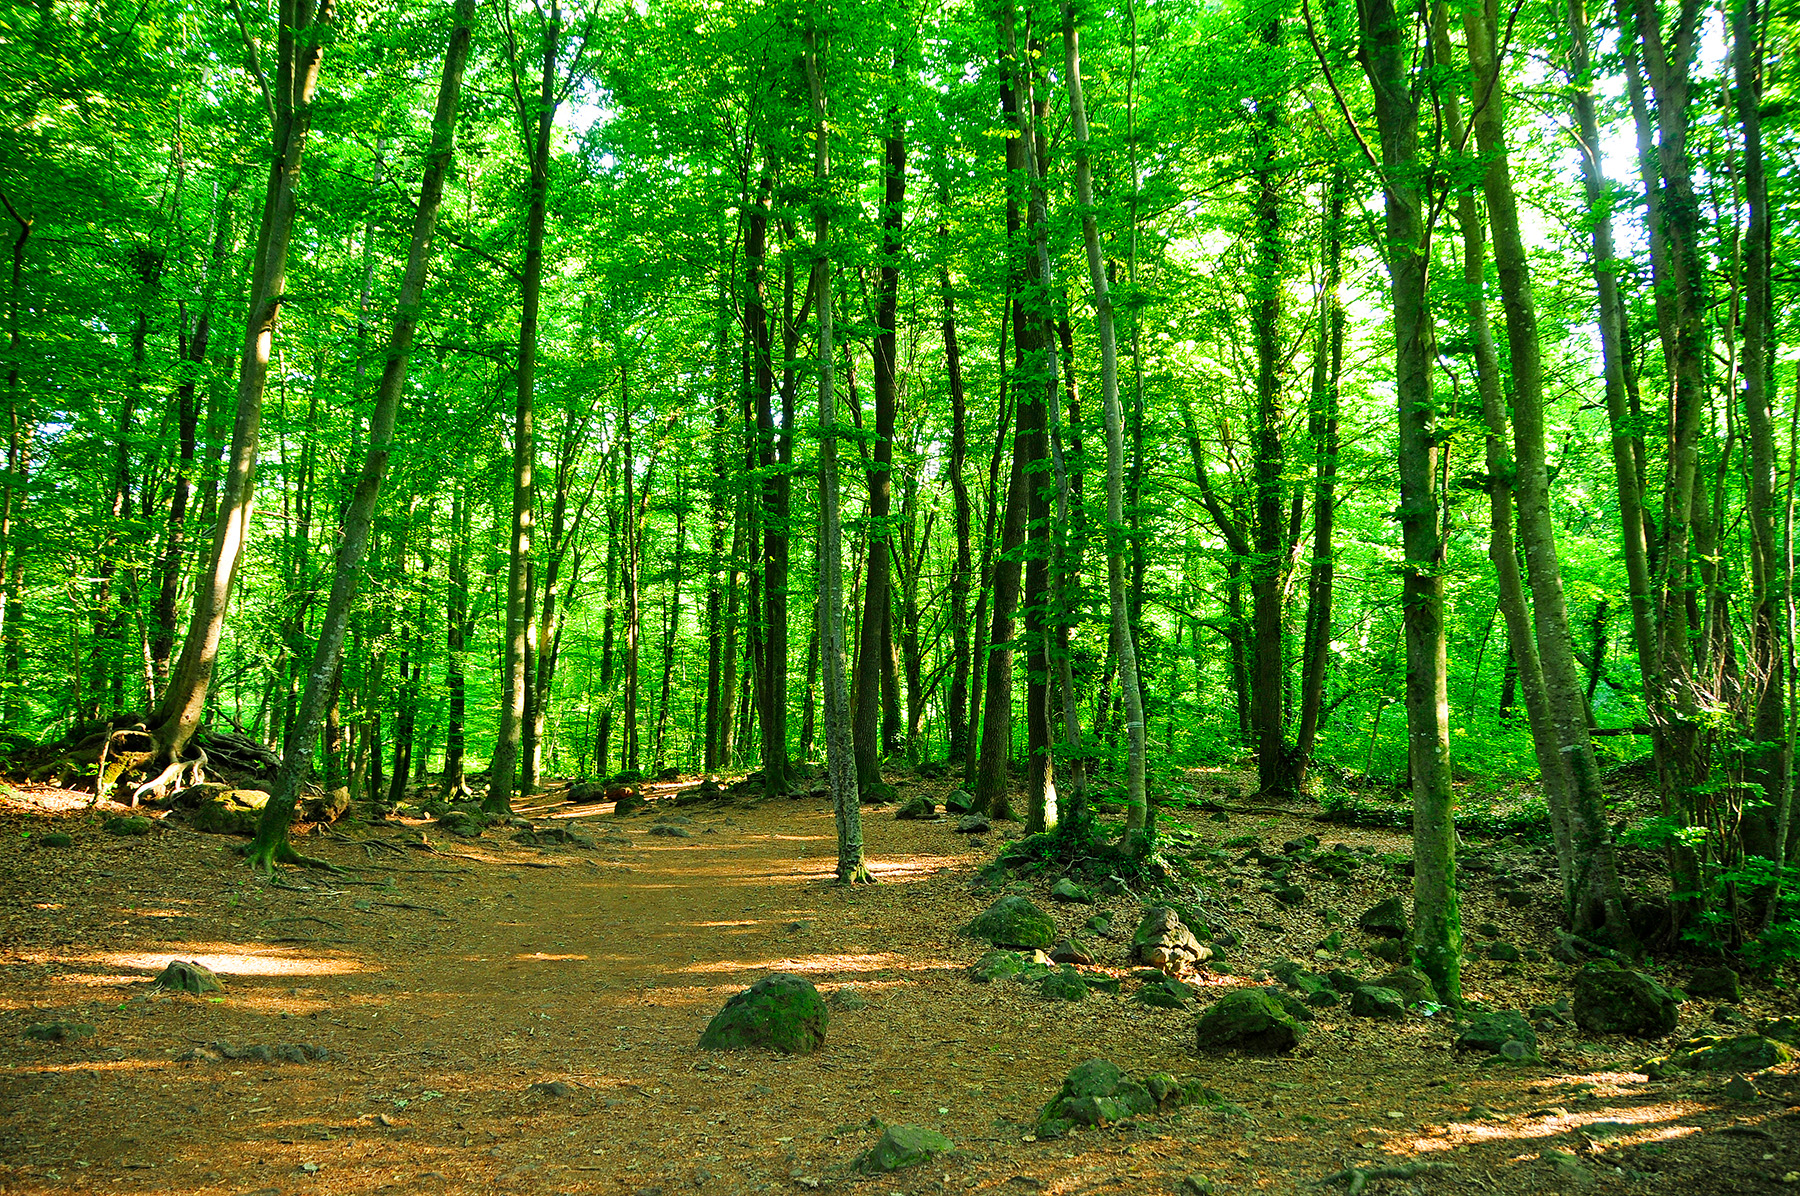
column 716, row 925
column 540, row 955
column 271, row 961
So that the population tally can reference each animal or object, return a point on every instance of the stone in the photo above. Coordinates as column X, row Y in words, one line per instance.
column 917, row 808
column 782, row 1011
column 1517, row 1050
column 973, row 824
column 1372, row 1000
column 1070, row 893
column 1386, row 919
column 1165, row 992
column 902, row 1146
column 1490, row 1031
column 1504, row 953
column 1064, row 984
column 584, row 792
column 326, row 807
column 549, row 1089
column 55, row 839
column 1290, row 894
column 1248, row 1019
column 229, row 812
column 1097, row 1092
column 1742, row 1088
column 1413, row 985
column 1721, row 983
column 1013, row 921
column 1739, row 1052
column 58, row 1031
column 626, row 800
column 1610, row 999
column 127, row 825
column 998, row 965
column 877, row 793
column 960, row 801
column 671, row 832
column 848, row 998
column 1072, row 950
column 186, row 976
column 1162, row 940
column 1782, row 1029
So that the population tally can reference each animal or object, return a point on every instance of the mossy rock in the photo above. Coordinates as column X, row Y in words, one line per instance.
column 631, row 776
column 55, row 839
column 1721, row 983
column 1067, row 891
column 1098, row 1092
column 1413, row 985
column 127, row 825
column 782, row 1011
column 1013, row 921
column 998, row 964
column 1064, row 984
column 187, row 976
column 1739, row 1053
column 1386, row 919
column 960, row 801
column 1372, row 1000
column 877, row 793
column 229, row 812
column 1165, row 992
column 917, row 808
column 1248, row 1019
column 1610, row 999
column 902, row 1146
column 1490, row 1032
column 58, row 1031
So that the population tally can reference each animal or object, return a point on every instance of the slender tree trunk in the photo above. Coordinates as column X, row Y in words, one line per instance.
column 957, row 710
column 834, row 648
column 270, row 846
column 535, row 125
column 456, row 642
column 301, row 51
column 19, row 427
column 1386, row 54
column 1322, row 430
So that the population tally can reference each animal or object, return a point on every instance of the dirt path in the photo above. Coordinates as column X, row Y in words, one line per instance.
column 444, row 986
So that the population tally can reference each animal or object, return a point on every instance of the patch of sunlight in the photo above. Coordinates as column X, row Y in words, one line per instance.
column 885, row 961
column 716, row 925
column 94, row 1065
column 46, row 905
column 535, row 955
column 231, row 959
column 94, row 980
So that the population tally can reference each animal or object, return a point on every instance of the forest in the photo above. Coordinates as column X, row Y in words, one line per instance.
column 640, row 595
column 435, row 401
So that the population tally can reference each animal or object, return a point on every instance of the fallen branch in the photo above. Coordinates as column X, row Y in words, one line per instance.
column 1355, row 1179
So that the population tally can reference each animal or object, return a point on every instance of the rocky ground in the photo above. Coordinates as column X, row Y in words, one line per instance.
column 519, row 1008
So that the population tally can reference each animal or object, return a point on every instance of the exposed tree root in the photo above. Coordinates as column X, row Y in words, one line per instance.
column 857, row 876
column 265, row 857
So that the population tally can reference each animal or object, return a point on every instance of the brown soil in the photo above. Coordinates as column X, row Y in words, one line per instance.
column 446, row 984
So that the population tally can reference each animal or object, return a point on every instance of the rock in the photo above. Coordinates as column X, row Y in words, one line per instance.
column 127, row 825
column 916, row 808
column 1165, row 992
column 973, row 824
column 562, row 834
column 1740, row 1052
column 1517, row 1050
column 326, row 807
column 1721, row 983
column 1068, row 892
column 463, row 823
column 1389, row 950
column 625, row 799
column 1518, row 899
column 1372, row 1000
column 998, row 965
column 671, row 832
column 1097, row 1092
column 186, row 976
column 58, row 1031
column 199, row 1055
column 584, row 792
column 1064, row 984
column 1782, row 1029
column 1504, row 953
column 1163, row 941
column 848, row 998
column 1610, row 999
column 1247, row 1019
column 1072, row 950
column 960, row 801
column 229, row 812
column 1196, row 1185
column 670, row 773
column 55, row 839
column 1413, row 985
column 782, row 1011
column 1014, row 921
column 1291, row 1005
column 1491, row 1032
column 1386, row 919
column 1741, row 1088
column 549, row 1089
column 903, row 1146
column 1290, row 894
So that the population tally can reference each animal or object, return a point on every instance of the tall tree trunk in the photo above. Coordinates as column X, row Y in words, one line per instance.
column 1386, row 53
column 456, row 642
column 270, row 846
column 957, row 708
column 839, row 749
column 534, row 125
column 301, row 50
column 1322, row 430
column 19, row 427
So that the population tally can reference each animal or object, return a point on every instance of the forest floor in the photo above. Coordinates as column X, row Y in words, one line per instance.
column 443, row 986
